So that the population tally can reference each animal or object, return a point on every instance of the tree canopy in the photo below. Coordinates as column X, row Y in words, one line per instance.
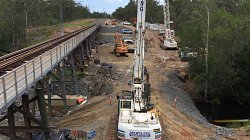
column 229, row 42
column 19, row 15
column 154, row 11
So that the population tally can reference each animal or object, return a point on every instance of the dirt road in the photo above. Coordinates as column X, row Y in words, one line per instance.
column 96, row 114
column 181, row 121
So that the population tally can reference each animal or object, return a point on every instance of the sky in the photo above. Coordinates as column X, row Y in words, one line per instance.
column 108, row 6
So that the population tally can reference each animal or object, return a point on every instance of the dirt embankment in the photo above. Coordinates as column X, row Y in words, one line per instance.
column 180, row 117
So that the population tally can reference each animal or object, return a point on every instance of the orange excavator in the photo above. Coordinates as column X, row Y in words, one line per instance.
column 120, row 47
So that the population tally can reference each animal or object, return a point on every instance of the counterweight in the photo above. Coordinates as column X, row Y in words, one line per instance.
column 138, row 117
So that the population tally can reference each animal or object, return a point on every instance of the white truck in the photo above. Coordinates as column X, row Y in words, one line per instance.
column 130, row 43
column 138, row 116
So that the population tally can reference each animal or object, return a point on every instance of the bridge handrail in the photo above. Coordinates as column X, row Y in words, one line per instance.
column 18, row 81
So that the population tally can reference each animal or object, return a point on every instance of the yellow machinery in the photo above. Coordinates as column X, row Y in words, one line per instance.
column 120, row 47
column 114, row 22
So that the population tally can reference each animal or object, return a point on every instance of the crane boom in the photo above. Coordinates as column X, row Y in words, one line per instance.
column 138, row 75
column 138, row 117
column 167, row 19
column 169, row 42
column 140, row 32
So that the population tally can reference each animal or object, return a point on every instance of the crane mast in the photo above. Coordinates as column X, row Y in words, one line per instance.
column 169, row 42
column 138, row 73
column 167, row 19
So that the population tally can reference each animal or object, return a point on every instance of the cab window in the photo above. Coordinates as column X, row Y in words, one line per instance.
column 126, row 104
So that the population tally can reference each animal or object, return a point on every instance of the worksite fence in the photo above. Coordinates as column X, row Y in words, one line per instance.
column 18, row 81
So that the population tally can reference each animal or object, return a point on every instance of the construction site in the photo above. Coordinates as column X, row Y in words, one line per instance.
column 107, row 81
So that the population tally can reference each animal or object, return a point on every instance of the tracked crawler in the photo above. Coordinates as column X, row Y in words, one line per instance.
column 138, row 117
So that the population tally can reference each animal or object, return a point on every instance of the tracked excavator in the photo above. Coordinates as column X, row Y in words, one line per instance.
column 138, row 116
column 120, row 47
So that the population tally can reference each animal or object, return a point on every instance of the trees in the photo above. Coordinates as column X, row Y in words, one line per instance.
column 154, row 11
column 229, row 42
column 18, row 15
column 127, row 12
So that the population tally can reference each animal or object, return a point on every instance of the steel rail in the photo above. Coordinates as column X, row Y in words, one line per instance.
column 7, row 61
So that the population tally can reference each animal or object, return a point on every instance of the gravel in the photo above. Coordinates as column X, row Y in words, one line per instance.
column 222, row 132
column 109, row 37
column 109, row 29
column 183, row 102
column 186, row 105
column 100, row 82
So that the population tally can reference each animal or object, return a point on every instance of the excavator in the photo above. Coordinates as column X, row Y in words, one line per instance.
column 138, row 118
column 120, row 47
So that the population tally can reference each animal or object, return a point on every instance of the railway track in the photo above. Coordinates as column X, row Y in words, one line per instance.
column 13, row 60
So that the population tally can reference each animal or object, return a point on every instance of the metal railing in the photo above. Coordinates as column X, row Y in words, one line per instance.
column 19, row 80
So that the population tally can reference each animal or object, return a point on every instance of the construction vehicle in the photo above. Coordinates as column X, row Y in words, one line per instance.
column 120, row 47
column 138, row 116
column 125, row 23
column 169, row 42
column 130, row 43
column 114, row 22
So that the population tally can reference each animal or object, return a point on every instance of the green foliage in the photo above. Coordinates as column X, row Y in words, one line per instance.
column 127, row 12
column 39, row 35
column 154, row 12
column 228, row 55
column 100, row 15
column 13, row 13
column 78, row 23
column 248, row 127
column 229, row 42
column 234, row 125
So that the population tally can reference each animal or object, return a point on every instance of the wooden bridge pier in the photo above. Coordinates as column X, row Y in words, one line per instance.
column 39, row 124
column 44, row 73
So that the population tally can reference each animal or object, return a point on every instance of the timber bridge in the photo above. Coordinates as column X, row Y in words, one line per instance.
column 30, row 69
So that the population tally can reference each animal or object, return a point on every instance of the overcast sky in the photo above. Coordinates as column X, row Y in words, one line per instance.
column 108, row 6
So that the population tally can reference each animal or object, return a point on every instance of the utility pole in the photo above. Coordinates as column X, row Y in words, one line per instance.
column 61, row 17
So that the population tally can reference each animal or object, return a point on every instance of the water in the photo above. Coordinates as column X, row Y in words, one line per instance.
column 227, row 110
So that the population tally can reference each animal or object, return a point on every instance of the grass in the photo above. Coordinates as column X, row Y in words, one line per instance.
column 245, row 126
column 44, row 33
column 2, row 53
column 39, row 35
column 234, row 125
column 79, row 23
